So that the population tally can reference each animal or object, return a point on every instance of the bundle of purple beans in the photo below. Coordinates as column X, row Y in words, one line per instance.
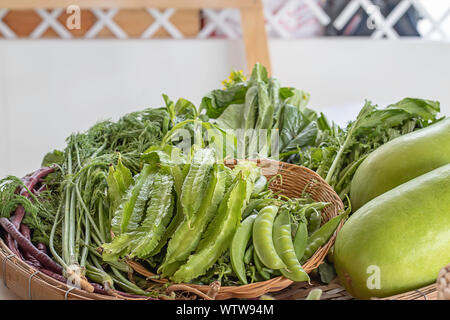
column 18, row 238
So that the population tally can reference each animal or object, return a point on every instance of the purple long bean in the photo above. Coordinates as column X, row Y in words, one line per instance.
column 26, row 245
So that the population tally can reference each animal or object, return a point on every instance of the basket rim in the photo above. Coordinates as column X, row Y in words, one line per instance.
column 225, row 292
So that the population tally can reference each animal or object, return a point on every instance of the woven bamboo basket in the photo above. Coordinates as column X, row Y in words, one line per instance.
column 28, row 283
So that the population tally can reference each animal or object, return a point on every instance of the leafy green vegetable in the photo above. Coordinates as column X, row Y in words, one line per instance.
column 119, row 179
column 372, row 128
column 53, row 157
column 181, row 110
column 326, row 272
column 218, row 100
column 306, row 137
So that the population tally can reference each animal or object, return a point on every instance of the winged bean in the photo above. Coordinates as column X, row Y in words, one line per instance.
column 141, row 241
column 159, row 212
column 130, row 211
column 187, row 237
column 195, row 182
column 219, row 234
column 178, row 178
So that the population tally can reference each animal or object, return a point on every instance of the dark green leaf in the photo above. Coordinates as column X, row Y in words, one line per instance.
column 326, row 272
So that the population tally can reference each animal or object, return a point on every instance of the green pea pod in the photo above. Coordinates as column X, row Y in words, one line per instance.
column 314, row 221
column 195, row 182
column 312, row 247
column 238, row 245
column 259, row 267
column 309, row 208
column 300, row 240
column 256, row 204
column 219, row 234
column 130, row 211
column 159, row 212
column 262, row 238
column 274, row 272
column 187, row 237
column 322, row 235
column 282, row 240
column 248, row 256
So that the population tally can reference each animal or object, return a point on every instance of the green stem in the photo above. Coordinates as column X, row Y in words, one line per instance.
column 365, row 111
column 87, row 238
column 72, row 231
column 94, row 226
column 349, row 172
column 97, row 241
column 126, row 284
column 78, row 234
column 52, row 238
column 99, row 150
column 78, row 155
column 66, row 230
column 101, row 220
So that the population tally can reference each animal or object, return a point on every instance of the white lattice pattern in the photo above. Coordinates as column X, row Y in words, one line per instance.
column 105, row 20
column 50, row 20
column 295, row 18
column 285, row 19
column 162, row 20
column 384, row 25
